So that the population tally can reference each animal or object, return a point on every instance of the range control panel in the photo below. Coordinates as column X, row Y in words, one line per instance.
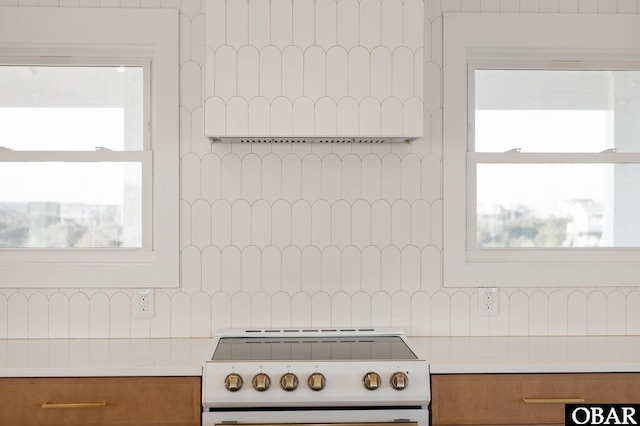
column 323, row 383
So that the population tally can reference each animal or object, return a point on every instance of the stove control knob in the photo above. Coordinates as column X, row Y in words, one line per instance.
column 289, row 382
column 261, row 382
column 233, row 382
column 399, row 380
column 316, row 381
column 371, row 381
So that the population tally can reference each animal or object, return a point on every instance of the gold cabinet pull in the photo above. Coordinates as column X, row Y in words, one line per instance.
column 75, row 405
column 553, row 400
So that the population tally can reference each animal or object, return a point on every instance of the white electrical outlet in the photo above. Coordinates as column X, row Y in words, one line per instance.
column 143, row 303
column 488, row 301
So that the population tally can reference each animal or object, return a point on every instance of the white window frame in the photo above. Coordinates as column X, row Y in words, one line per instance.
column 524, row 41
column 73, row 36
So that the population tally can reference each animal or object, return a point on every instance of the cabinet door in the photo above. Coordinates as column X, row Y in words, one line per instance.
column 499, row 399
column 101, row 401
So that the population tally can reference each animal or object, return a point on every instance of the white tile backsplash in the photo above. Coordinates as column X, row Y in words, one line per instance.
column 316, row 235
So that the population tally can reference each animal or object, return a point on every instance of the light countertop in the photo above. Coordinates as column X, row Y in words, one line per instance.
column 573, row 354
column 102, row 357
column 446, row 355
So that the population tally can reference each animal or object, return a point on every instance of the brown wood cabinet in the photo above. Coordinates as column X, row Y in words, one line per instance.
column 501, row 399
column 101, row 401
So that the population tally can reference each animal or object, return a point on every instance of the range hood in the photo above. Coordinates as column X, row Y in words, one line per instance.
column 314, row 139
column 297, row 71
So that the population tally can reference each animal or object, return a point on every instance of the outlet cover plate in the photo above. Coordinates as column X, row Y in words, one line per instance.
column 143, row 303
column 488, row 301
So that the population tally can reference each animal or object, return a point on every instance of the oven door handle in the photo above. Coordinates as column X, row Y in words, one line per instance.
column 399, row 422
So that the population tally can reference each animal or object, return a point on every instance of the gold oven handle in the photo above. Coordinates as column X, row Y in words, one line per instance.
column 393, row 423
column 75, row 405
column 553, row 400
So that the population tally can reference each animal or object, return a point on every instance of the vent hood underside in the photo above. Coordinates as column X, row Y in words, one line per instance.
column 312, row 139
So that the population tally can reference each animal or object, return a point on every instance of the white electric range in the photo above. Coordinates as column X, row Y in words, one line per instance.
column 329, row 376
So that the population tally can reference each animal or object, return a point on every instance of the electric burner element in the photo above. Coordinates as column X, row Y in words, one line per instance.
column 313, row 367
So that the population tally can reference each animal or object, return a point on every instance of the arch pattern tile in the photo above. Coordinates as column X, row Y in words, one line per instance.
column 249, row 214
column 303, row 49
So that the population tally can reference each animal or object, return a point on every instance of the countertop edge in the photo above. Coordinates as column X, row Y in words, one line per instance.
column 532, row 368
column 101, row 372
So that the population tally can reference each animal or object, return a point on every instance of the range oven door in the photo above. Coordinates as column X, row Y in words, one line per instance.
column 371, row 416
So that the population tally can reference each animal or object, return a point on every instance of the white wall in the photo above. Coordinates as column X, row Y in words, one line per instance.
column 320, row 234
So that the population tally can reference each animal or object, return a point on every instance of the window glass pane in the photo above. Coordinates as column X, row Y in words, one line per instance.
column 558, row 205
column 557, row 110
column 60, row 205
column 61, row 108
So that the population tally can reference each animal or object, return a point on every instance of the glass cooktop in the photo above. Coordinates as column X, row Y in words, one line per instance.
column 312, row 349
